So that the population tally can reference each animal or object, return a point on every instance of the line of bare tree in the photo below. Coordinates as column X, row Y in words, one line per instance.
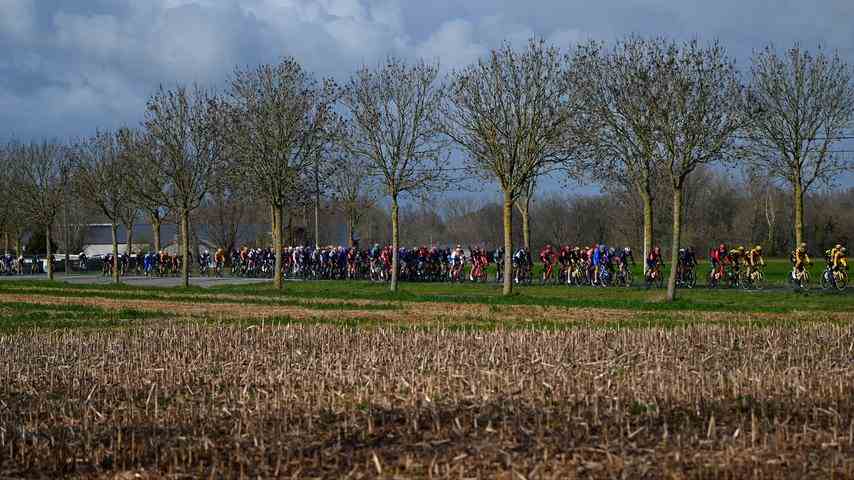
column 640, row 116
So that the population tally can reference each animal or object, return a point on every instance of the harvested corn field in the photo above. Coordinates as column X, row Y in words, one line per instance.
column 323, row 401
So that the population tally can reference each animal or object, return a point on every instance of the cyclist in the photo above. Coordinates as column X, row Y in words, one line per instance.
column 654, row 264
column 718, row 256
column 654, row 260
column 498, row 258
column 219, row 259
column 8, row 260
column 800, row 260
column 687, row 263
column 549, row 258
column 204, row 262
column 754, row 260
column 521, row 261
column 602, row 261
column 839, row 258
column 736, row 256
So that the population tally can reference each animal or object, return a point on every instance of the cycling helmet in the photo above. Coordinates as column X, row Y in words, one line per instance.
column 758, row 248
column 804, row 246
column 843, row 250
column 627, row 250
column 838, row 246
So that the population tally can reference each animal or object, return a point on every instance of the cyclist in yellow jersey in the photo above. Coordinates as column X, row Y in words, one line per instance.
column 737, row 258
column 839, row 258
column 800, row 259
column 754, row 259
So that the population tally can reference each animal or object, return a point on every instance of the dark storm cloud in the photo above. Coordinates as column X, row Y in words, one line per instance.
column 68, row 67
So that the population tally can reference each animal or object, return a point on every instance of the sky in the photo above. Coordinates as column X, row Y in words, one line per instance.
column 69, row 67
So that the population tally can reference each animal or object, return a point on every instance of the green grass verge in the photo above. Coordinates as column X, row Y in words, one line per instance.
column 339, row 295
column 15, row 316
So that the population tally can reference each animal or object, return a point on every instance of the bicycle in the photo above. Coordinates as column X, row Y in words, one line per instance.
column 800, row 279
column 624, row 276
column 687, row 277
column 831, row 278
column 752, row 278
column 653, row 276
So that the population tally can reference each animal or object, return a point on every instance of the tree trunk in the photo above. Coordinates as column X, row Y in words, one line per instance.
column 277, row 245
column 47, row 257
column 129, row 247
column 677, row 239
column 799, row 213
column 770, row 217
column 646, row 198
column 525, row 212
column 395, row 241
column 65, row 234
column 19, row 246
column 114, row 229
column 5, row 243
column 155, row 228
column 508, row 244
column 349, row 231
column 185, row 247
column 317, row 221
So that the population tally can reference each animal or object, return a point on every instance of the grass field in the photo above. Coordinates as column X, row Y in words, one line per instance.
column 343, row 379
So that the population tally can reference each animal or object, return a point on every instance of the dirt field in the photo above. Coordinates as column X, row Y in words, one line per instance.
column 227, row 385
column 414, row 313
column 319, row 401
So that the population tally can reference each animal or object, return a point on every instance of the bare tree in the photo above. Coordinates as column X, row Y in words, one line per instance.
column 353, row 189
column 147, row 185
column 621, row 91
column 39, row 188
column 806, row 104
column 186, row 132
column 514, row 114
column 100, row 178
column 224, row 211
column 701, row 109
column 7, row 212
column 393, row 112
column 524, row 207
column 278, row 112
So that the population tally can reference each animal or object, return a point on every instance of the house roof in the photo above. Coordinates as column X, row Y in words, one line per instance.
column 101, row 234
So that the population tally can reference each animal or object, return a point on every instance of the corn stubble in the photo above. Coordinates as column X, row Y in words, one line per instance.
column 200, row 401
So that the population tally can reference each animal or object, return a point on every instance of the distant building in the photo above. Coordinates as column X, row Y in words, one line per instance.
column 99, row 238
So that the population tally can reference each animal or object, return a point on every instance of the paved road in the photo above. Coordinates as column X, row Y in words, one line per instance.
column 144, row 281
column 96, row 279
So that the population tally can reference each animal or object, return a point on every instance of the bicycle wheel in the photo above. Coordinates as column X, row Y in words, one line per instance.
column 825, row 280
column 842, row 280
column 713, row 281
column 744, row 280
column 759, row 280
column 627, row 279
